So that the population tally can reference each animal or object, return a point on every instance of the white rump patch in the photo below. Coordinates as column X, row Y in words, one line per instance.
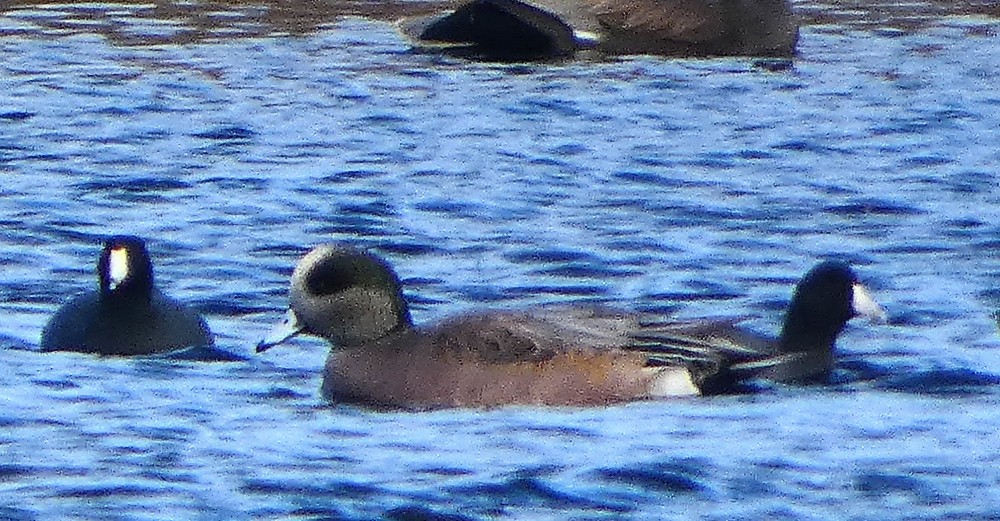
column 586, row 39
column 672, row 381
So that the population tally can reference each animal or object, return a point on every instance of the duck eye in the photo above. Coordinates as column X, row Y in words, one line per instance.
column 118, row 268
column 331, row 278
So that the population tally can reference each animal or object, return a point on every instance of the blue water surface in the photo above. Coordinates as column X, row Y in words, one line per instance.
column 234, row 136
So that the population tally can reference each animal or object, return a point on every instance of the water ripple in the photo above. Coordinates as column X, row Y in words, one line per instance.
column 236, row 137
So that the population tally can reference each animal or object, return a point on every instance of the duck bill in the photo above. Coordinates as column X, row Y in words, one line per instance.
column 290, row 326
column 866, row 306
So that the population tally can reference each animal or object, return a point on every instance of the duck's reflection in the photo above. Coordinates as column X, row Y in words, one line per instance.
column 138, row 22
column 146, row 22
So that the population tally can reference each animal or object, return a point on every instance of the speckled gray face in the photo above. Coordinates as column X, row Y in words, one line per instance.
column 118, row 267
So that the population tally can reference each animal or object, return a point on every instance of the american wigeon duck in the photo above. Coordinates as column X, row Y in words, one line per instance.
column 127, row 315
column 547, row 28
column 548, row 356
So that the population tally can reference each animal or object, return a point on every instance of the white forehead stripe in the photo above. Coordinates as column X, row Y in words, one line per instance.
column 118, row 266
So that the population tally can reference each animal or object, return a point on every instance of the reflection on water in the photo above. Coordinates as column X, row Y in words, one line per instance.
column 701, row 186
column 139, row 22
column 890, row 14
